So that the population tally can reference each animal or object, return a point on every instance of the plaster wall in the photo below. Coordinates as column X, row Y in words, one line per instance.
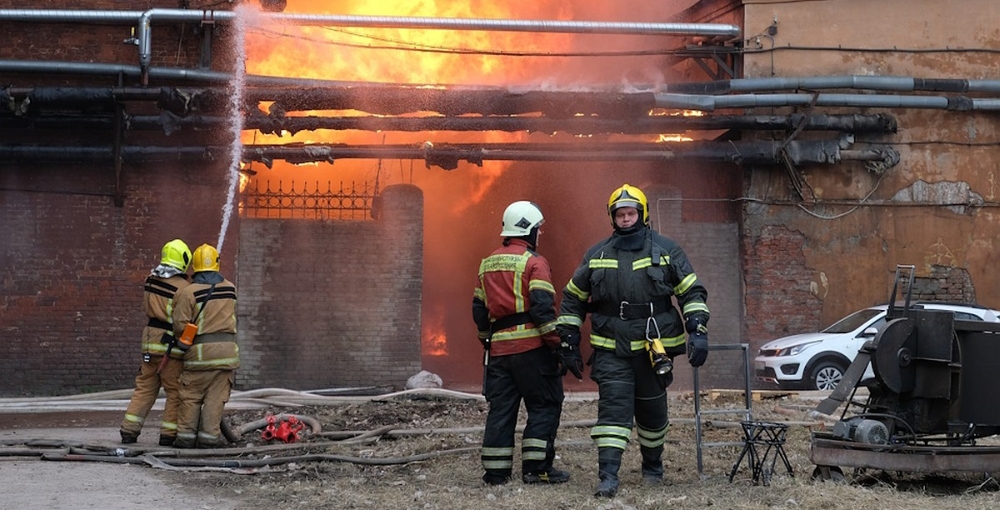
column 809, row 261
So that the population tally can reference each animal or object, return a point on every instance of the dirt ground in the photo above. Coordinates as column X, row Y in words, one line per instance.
column 422, row 453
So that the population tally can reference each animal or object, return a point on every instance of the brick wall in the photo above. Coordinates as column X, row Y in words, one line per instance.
column 709, row 236
column 332, row 303
column 72, row 265
column 778, row 300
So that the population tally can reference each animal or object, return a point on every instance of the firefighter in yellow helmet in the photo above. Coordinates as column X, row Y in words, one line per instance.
column 626, row 282
column 161, row 362
column 205, row 325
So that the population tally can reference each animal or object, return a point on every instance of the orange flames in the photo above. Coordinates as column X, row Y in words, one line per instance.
column 440, row 57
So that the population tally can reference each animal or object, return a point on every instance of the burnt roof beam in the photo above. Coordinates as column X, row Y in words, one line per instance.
column 448, row 156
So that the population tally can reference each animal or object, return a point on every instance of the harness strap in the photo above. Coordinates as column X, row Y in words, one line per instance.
column 509, row 321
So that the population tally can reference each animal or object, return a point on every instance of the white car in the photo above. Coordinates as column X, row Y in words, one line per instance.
column 817, row 361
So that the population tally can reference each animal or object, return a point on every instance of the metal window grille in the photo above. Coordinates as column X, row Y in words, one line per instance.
column 299, row 201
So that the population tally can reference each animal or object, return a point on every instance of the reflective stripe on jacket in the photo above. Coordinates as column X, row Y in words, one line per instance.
column 512, row 280
column 158, row 300
column 654, row 271
column 215, row 345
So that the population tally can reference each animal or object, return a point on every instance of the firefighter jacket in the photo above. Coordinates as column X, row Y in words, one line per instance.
column 515, row 283
column 626, row 283
column 158, row 300
column 214, row 346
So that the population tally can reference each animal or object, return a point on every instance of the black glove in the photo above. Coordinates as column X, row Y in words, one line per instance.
column 697, row 339
column 485, row 342
column 569, row 355
column 697, row 348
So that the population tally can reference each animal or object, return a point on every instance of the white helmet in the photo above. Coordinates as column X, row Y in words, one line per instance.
column 520, row 218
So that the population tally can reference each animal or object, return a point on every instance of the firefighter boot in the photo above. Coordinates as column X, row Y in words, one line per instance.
column 652, row 466
column 550, row 475
column 541, row 471
column 167, row 440
column 609, row 460
column 128, row 437
column 496, row 476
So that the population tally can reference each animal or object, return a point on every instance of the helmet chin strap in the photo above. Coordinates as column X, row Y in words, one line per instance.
column 531, row 239
column 630, row 230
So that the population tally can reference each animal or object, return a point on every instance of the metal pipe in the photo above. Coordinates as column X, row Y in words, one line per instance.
column 360, row 21
column 448, row 156
column 652, row 125
column 711, row 103
column 145, row 19
column 893, row 83
column 98, row 69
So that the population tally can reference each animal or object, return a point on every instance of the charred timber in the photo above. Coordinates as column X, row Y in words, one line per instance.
column 396, row 100
column 651, row 124
column 654, row 124
column 448, row 156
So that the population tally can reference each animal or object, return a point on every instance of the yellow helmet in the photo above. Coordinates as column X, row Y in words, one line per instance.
column 628, row 196
column 176, row 254
column 206, row 258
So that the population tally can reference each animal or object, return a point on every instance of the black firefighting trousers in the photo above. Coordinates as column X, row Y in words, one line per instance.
column 628, row 389
column 531, row 376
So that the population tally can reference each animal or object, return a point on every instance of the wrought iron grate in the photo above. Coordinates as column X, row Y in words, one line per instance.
column 259, row 200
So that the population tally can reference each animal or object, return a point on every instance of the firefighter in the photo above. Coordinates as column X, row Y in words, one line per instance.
column 161, row 362
column 626, row 283
column 513, row 306
column 211, row 355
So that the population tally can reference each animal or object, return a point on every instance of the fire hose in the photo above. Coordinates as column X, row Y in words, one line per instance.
column 286, row 427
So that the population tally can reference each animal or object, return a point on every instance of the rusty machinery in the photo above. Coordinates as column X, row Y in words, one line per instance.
column 931, row 403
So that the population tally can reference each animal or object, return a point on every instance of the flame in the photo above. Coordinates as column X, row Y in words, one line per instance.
column 405, row 56
column 674, row 138
column 433, row 337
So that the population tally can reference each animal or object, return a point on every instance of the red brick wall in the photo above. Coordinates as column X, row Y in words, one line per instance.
column 332, row 303
column 73, row 265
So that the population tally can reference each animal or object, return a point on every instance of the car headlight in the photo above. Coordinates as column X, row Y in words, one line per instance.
column 795, row 349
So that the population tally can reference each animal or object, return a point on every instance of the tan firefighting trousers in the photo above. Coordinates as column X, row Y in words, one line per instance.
column 203, row 397
column 147, row 388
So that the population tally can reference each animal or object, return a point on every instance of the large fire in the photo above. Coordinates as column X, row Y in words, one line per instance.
column 517, row 60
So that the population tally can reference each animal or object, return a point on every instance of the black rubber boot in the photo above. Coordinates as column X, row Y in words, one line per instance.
column 550, row 475
column 496, row 477
column 609, row 460
column 652, row 465
column 166, row 440
column 128, row 437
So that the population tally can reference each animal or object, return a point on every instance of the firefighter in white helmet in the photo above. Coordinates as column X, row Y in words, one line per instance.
column 205, row 325
column 626, row 282
column 161, row 361
column 513, row 306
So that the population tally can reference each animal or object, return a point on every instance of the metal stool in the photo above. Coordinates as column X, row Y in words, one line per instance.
column 766, row 436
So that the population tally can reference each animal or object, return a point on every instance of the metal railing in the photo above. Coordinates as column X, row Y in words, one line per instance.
column 747, row 412
column 299, row 201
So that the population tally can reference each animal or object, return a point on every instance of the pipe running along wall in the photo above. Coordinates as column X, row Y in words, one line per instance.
column 145, row 19
column 447, row 156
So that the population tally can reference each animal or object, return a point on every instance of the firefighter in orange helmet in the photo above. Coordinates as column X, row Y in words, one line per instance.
column 513, row 306
column 626, row 283
column 161, row 362
column 205, row 325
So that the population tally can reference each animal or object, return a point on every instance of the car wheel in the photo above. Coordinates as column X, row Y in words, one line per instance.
column 826, row 375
